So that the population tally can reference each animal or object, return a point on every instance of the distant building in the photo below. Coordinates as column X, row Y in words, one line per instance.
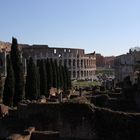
column 80, row 65
column 100, row 61
column 109, row 61
column 127, row 65
column 104, row 61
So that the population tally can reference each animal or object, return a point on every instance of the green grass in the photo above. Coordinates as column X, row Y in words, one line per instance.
column 105, row 71
column 85, row 83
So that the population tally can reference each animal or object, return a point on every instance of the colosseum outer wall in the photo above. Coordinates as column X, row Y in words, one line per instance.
column 80, row 65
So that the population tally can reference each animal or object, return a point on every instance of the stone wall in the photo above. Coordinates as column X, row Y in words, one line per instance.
column 80, row 65
column 71, row 120
column 114, row 125
column 82, row 121
column 4, row 131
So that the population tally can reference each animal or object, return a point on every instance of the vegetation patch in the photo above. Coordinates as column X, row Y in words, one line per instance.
column 85, row 83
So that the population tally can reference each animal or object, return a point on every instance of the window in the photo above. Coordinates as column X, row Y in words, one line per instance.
column 59, row 55
column 65, row 50
column 74, row 63
column 74, row 74
column 65, row 62
column 69, row 62
column 54, row 51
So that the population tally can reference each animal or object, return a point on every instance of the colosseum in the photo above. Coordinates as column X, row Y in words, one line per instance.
column 80, row 65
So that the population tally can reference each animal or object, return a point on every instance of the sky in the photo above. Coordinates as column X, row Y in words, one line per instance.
column 109, row 27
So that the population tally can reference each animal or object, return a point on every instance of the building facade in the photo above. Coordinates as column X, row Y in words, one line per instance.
column 80, row 65
column 127, row 65
column 104, row 61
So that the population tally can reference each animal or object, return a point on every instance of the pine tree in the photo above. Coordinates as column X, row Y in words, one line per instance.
column 31, row 86
column 9, row 86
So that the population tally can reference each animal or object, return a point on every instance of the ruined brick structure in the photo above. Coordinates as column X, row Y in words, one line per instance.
column 80, row 65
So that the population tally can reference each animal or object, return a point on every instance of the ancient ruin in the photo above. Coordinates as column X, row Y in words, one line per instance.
column 81, row 65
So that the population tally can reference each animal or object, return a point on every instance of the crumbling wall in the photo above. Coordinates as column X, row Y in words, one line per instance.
column 114, row 125
column 72, row 120
column 83, row 121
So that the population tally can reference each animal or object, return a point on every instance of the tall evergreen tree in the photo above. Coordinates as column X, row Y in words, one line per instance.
column 49, row 73
column 68, row 78
column 61, row 75
column 31, row 86
column 57, row 74
column 18, row 71
column 9, row 86
column 54, row 74
column 64, row 78
column 43, row 78
column 38, row 76
column 1, row 87
column 38, row 80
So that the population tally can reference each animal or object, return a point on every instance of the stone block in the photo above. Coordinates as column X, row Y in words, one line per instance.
column 4, row 110
column 44, row 135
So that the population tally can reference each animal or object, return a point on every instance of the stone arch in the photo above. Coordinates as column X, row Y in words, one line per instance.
column 85, row 63
column 82, row 73
column 78, row 74
column 65, row 62
column 74, row 62
column 78, row 63
column 69, row 62
column 85, row 74
column 74, row 74
column 81, row 62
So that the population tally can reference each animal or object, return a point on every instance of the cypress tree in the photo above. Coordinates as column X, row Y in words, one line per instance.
column 49, row 73
column 64, row 78
column 68, row 78
column 31, row 86
column 1, row 87
column 57, row 74
column 61, row 75
column 18, row 71
column 9, row 86
column 54, row 74
column 38, row 80
column 43, row 78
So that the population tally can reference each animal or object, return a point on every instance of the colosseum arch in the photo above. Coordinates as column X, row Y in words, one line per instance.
column 74, row 62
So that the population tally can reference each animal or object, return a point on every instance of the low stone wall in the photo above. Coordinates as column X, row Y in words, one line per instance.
column 114, row 102
column 114, row 125
column 4, row 132
column 72, row 120
column 44, row 135
column 81, row 121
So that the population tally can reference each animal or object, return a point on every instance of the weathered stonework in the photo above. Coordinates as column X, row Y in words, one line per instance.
column 81, row 65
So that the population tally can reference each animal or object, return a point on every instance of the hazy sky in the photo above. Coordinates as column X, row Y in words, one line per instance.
column 109, row 27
